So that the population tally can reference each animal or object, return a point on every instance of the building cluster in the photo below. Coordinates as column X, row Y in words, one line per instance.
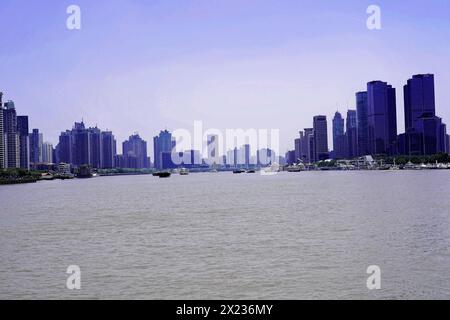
column 166, row 157
column 20, row 148
column 371, row 129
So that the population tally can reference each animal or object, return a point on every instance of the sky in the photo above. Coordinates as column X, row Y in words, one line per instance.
column 146, row 65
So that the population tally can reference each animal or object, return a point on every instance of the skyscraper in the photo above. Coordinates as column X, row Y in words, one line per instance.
column 2, row 135
column 339, row 141
column 108, row 150
column 213, row 149
column 246, row 155
column 12, row 150
column 65, row 147
column 298, row 146
column 307, row 145
column 362, row 123
column 95, row 145
column 419, row 100
column 24, row 142
column 162, row 144
column 36, row 141
column 47, row 152
column 382, row 118
column 320, row 138
column 424, row 131
column 135, row 152
column 351, row 135
column 81, row 145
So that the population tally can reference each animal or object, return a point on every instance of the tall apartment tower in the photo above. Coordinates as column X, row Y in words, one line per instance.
column 36, row 141
column 339, row 141
column 2, row 135
column 351, row 134
column 320, row 138
column 161, row 144
column 12, row 151
column 24, row 142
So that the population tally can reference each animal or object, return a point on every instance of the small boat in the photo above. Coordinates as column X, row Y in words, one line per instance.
column 238, row 171
column 251, row 171
column 184, row 172
column 162, row 174
column 165, row 174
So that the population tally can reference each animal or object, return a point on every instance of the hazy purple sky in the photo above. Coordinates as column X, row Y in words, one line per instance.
column 146, row 65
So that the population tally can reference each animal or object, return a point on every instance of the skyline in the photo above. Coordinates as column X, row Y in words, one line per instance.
column 273, row 65
column 419, row 105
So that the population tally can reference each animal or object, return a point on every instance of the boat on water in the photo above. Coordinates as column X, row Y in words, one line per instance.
column 184, row 172
column 162, row 174
column 409, row 166
column 251, row 171
column 64, row 176
column 238, row 171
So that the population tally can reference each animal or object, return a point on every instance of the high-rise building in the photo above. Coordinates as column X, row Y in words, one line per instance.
column 108, row 150
column 2, row 135
column 135, row 152
column 213, row 149
column 47, row 152
column 290, row 157
column 448, row 143
column 419, row 98
column 96, row 149
column 24, row 142
column 339, row 140
column 162, row 144
column 12, row 146
column 351, row 135
column 65, row 148
column 36, row 141
column 424, row 131
column 382, row 118
column 362, row 123
column 247, row 155
column 321, row 151
column 298, row 147
column 81, row 145
column 307, row 150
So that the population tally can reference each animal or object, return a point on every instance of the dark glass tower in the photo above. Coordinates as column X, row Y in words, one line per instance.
column 424, row 131
column 36, row 141
column 382, row 118
column 419, row 100
column 362, row 123
column 108, row 150
column 320, row 138
column 351, row 135
column 24, row 142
